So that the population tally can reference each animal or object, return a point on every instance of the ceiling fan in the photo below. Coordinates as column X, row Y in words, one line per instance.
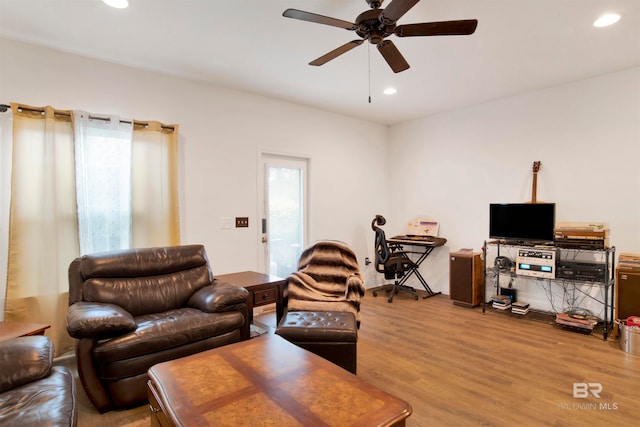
column 377, row 24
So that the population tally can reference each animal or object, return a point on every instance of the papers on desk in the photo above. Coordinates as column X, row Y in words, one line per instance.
column 421, row 226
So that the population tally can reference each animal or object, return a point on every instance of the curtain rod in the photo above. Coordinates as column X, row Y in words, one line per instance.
column 4, row 108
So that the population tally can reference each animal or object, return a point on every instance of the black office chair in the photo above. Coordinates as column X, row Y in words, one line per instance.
column 391, row 261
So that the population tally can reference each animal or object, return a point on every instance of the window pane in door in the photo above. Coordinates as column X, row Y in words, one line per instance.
column 285, row 217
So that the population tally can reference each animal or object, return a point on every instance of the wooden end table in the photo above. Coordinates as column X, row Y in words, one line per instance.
column 10, row 330
column 266, row 381
column 263, row 289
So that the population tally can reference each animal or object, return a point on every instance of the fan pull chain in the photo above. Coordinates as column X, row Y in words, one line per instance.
column 369, row 60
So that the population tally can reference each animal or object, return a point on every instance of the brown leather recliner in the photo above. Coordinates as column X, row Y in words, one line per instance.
column 134, row 308
column 32, row 391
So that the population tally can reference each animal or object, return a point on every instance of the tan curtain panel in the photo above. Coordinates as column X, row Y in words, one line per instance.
column 156, row 216
column 6, row 130
column 43, row 230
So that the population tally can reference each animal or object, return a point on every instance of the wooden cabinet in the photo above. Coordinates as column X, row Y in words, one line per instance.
column 627, row 291
column 466, row 278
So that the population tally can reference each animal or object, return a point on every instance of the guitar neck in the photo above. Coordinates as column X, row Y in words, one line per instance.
column 534, row 185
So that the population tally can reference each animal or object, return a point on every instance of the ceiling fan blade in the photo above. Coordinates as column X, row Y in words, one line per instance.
column 318, row 19
column 392, row 55
column 336, row 52
column 445, row 28
column 396, row 10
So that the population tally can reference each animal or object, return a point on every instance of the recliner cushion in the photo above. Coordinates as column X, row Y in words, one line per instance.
column 117, row 375
column 147, row 294
column 49, row 401
column 94, row 319
column 139, row 262
column 161, row 331
column 23, row 360
column 221, row 296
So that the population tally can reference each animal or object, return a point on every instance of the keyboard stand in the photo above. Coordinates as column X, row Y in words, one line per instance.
column 423, row 248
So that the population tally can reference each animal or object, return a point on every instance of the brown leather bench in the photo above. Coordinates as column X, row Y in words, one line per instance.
column 332, row 335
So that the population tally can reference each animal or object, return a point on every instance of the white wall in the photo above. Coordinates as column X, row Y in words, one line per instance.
column 451, row 166
column 221, row 133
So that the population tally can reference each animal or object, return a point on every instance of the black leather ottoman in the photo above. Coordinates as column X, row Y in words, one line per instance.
column 332, row 335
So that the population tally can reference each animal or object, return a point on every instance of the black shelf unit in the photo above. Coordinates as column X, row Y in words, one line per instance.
column 606, row 255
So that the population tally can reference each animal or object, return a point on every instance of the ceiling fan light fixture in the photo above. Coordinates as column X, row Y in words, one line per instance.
column 390, row 91
column 606, row 20
column 375, row 25
column 118, row 4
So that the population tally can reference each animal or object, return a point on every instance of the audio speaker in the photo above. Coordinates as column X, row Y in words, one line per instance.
column 627, row 290
column 466, row 278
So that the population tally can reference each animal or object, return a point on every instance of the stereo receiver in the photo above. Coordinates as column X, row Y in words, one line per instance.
column 584, row 271
column 536, row 262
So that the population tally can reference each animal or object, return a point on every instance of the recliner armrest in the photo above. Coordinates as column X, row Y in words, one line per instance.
column 98, row 320
column 23, row 360
column 218, row 297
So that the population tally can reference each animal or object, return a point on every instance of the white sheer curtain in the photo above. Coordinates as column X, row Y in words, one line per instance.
column 103, row 182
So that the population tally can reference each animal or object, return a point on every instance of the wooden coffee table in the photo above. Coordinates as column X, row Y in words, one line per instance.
column 10, row 330
column 266, row 381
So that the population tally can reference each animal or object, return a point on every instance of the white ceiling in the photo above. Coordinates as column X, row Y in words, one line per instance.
column 519, row 45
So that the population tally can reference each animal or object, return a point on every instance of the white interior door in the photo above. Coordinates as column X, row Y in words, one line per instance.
column 284, row 213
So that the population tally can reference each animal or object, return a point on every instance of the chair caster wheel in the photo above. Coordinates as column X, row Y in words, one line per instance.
column 390, row 299
column 375, row 294
column 415, row 297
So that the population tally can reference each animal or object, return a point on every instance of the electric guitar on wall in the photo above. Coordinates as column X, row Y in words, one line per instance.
column 534, row 185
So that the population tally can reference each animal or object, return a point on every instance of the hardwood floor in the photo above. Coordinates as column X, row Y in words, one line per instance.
column 458, row 367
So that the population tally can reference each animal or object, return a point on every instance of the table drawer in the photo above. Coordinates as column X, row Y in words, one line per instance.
column 266, row 296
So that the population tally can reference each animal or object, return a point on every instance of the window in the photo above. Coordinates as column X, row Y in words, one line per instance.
column 103, row 183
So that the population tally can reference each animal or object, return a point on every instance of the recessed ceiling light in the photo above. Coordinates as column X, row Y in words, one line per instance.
column 390, row 91
column 118, row 4
column 606, row 20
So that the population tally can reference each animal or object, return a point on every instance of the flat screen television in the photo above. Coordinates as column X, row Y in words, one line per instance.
column 522, row 221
